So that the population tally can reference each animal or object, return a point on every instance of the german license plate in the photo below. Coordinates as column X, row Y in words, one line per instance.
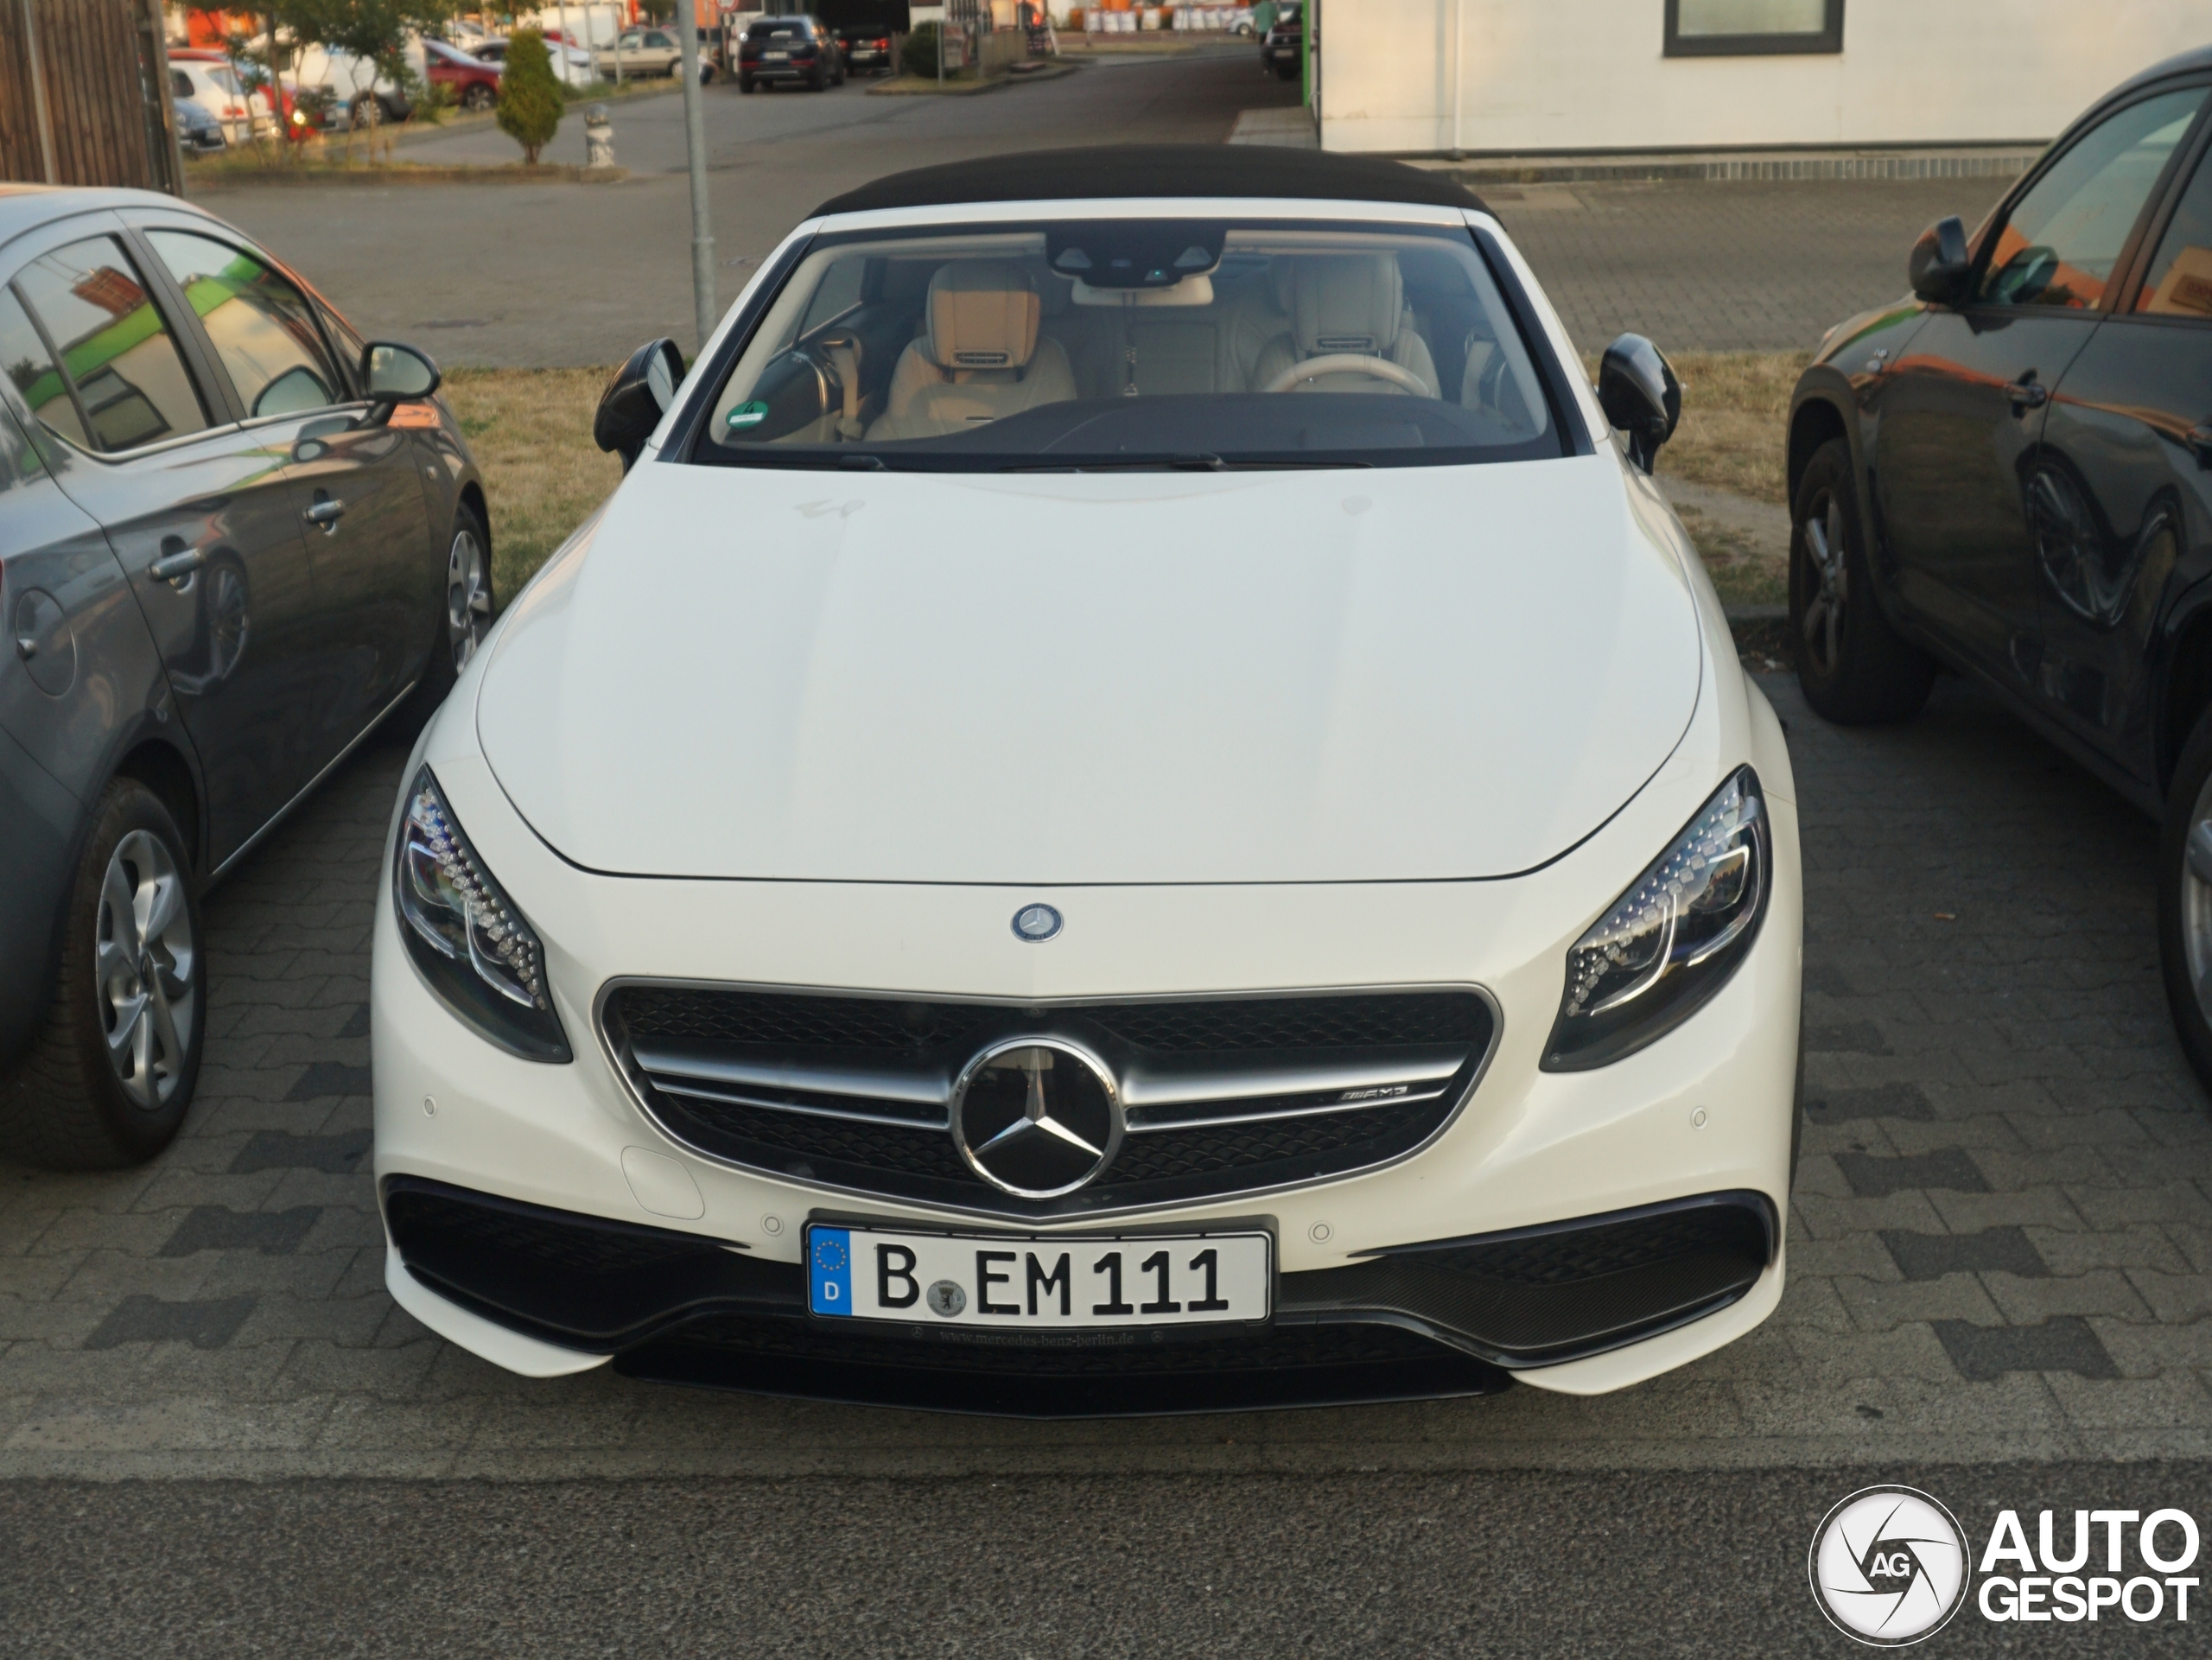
column 1042, row 1284
column 777, row 57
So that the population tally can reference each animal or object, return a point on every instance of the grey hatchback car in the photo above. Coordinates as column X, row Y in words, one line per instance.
column 234, row 537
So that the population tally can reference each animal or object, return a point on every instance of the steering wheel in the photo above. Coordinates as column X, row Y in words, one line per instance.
column 1349, row 363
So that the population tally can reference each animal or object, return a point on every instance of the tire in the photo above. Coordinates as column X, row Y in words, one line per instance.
column 1286, row 73
column 465, row 612
column 477, row 98
column 817, row 82
column 1854, row 669
column 2186, row 899
column 122, row 985
column 744, row 83
column 365, row 112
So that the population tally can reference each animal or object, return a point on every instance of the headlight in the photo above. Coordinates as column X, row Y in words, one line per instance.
column 465, row 935
column 1672, row 940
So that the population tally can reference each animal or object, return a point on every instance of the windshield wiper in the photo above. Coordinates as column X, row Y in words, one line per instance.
column 1181, row 461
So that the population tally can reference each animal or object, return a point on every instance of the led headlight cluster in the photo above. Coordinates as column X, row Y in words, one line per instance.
column 465, row 935
column 1673, row 939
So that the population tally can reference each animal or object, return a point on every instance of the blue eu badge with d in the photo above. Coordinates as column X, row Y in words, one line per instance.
column 830, row 1259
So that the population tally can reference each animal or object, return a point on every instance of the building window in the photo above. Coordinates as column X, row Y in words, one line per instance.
column 1718, row 29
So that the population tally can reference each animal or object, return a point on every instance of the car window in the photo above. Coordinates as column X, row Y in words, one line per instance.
column 30, row 370
column 180, row 84
column 1115, row 342
column 2062, row 239
column 658, row 40
column 116, row 350
column 262, row 327
column 2179, row 283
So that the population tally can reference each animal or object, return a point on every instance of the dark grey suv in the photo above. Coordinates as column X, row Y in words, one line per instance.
column 234, row 536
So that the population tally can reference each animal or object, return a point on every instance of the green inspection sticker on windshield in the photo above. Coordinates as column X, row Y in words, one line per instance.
column 748, row 415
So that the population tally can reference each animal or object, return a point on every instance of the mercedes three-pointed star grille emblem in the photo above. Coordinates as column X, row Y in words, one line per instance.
column 1037, row 1118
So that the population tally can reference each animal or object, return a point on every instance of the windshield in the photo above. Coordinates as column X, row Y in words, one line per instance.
column 1118, row 342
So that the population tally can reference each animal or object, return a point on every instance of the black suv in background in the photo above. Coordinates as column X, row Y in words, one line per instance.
column 2010, row 473
column 801, row 49
column 866, row 48
column 1282, row 48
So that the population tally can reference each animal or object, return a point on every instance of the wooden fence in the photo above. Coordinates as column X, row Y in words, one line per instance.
column 84, row 95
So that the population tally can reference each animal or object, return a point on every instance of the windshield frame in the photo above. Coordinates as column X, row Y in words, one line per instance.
column 688, row 441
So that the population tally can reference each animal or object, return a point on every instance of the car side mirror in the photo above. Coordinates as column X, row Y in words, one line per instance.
column 1640, row 396
column 393, row 373
column 634, row 401
column 1941, row 263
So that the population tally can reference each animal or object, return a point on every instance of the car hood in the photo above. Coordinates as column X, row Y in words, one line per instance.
column 1329, row 676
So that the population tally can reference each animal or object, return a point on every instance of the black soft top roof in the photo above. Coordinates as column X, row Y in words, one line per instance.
column 1157, row 170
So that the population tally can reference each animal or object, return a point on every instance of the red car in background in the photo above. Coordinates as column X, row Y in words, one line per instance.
column 475, row 83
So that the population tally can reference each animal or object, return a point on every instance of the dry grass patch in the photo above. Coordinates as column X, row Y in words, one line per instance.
column 530, row 431
column 1735, row 407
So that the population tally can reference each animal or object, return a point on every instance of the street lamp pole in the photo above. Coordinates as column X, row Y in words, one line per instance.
column 695, row 140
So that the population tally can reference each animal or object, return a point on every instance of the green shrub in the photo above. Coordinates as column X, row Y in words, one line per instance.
column 919, row 56
column 530, row 97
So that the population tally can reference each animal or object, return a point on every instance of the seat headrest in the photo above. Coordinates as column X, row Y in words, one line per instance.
column 982, row 315
column 1346, row 302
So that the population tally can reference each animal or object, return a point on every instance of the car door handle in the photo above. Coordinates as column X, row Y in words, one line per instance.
column 2027, row 393
column 2200, row 440
column 326, row 511
column 176, row 563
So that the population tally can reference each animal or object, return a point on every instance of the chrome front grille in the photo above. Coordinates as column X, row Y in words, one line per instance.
column 1221, row 1095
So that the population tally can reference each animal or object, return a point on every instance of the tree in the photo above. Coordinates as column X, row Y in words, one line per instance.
column 529, row 98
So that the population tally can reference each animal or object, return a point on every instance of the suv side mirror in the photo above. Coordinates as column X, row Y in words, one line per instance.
column 392, row 373
column 636, row 399
column 1941, row 263
column 1637, row 390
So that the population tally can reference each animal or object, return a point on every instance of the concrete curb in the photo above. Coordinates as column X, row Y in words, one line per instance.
column 404, row 173
column 1761, row 167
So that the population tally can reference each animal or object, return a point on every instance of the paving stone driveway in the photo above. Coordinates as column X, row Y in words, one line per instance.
column 2001, row 1245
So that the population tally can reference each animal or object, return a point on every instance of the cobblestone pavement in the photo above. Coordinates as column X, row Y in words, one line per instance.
column 1725, row 267
column 2001, row 1246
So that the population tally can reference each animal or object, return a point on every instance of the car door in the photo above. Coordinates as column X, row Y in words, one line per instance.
column 198, row 509
column 357, row 481
column 2121, row 491
column 1961, row 415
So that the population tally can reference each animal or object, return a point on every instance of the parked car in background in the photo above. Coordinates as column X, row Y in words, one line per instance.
column 474, row 84
column 799, row 50
column 198, row 133
column 354, row 91
column 865, row 48
column 233, row 538
column 210, row 80
column 2010, row 474
column 641, row 52
column 1027, row 1008
column 571, row 64
column 1282, row 48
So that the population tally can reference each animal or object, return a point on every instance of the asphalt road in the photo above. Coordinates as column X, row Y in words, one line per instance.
column 529, row 274
column 533, row 275
column 1501, row 1564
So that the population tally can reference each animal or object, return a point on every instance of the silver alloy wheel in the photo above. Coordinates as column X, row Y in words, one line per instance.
column 468, row 596
column 145, row 961
column 2196, row 899
column 1823, row 620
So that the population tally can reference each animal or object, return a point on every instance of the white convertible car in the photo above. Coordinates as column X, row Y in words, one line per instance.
column 1136, row 805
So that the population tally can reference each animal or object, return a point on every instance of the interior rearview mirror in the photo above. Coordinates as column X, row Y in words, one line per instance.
column 1940, row 262
column 1637, row 390
column 636, row 399
column 393, row 373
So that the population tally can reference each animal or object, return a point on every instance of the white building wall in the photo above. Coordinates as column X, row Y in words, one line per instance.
column 1541, row 76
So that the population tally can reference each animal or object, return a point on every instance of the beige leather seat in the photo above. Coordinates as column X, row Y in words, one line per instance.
column 1341, row 303
column 978, row 358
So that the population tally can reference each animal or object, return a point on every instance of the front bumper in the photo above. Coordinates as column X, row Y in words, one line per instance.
column 1456, row 1318
column 1705, row 1114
